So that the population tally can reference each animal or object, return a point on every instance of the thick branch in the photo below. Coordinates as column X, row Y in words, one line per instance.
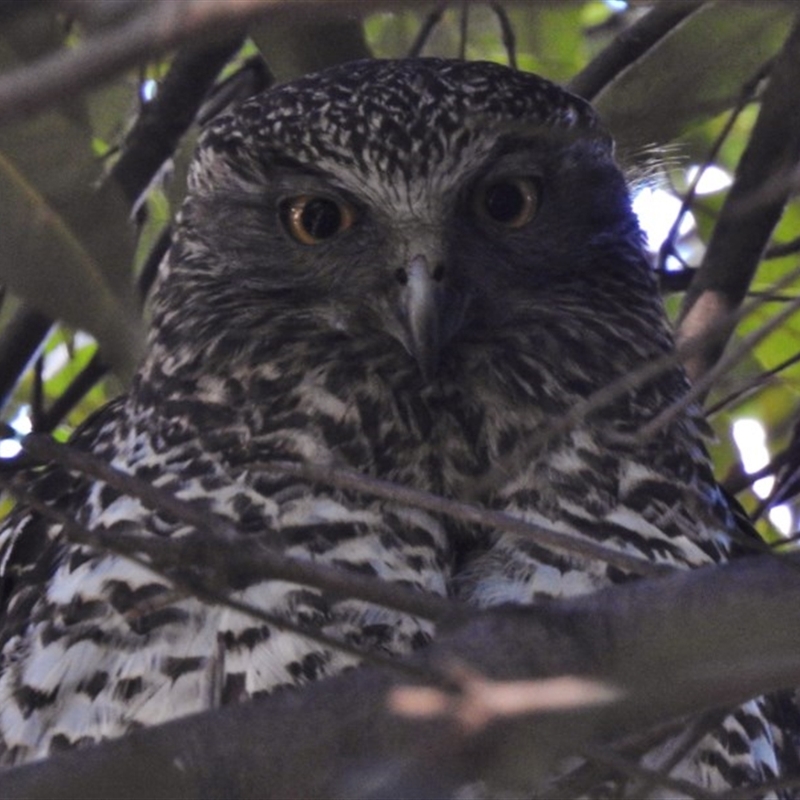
column 162, row 122
column 151, row 141
column 19, row 342
column 678, row 645
column 764, row 179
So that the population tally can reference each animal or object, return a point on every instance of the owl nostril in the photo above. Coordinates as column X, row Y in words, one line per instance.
column 401, row 276
column 438, row 272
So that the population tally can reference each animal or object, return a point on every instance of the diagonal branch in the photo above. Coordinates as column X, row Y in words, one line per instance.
column 764, row 180
column 470, row 514
column 45, row 449
column 161, row 26
column 150, row 142
column 715, row 369
column 204, row 579
column 631, row 45
column 220, row 544
column 686, row 349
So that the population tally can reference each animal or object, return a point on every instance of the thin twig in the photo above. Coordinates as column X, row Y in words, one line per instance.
column 465, row 512
column 96, row 369
column 773, row 297
column 751, row 209
column 20, row 339
column 77, row 389
column 463, row 30
column 650, row 778
column 507, row 32
column 746, row 389
column 739, row 480
column 222, row 532
column 165, row 559
column 745, row 96
column 161, row 26
column 701, row 386
column 782, row 249
column 610, row 393
column 37, row 391
column 429, row 23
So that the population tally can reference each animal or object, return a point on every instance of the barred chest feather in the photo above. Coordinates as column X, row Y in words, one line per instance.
column 112, row 646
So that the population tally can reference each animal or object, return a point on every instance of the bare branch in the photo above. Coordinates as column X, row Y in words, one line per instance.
column 163, row 121
column 150, row 142
column 648, row 779
column 751, row 210
column 686, row 349
column 204, row 578
column 507, row 32
column 716, row 368
column 669, row 248
column 19, row 340
column 696, row 640
column 747, row 388
column 424, row 33
column 471, row 514
column 222, row 547
column 782, row 249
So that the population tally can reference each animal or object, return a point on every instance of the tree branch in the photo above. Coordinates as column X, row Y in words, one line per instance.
column 687, row 348
column 20, row 339
column 220, row 547
column 698, row 640
column 164, row 120
column 151, row 141
column 630, row 45
column 45, row 449
column 764, row 179
column 162, row 26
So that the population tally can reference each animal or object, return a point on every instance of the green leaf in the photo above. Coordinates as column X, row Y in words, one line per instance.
column 42, row 261
column 66, row 245
column 680, row 79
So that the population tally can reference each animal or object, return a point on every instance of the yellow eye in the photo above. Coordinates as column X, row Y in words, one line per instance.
column 511, row 203
column 312, row 219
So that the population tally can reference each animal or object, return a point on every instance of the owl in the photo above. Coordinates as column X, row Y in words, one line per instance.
column 405, row 268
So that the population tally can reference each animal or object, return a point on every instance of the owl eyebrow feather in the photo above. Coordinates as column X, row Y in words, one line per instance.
column 282, row 178
column 273, row 158
column 540, row 139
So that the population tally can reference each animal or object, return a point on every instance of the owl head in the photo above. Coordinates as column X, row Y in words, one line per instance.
column 425, row 201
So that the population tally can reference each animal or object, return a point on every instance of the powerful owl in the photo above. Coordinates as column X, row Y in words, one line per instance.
column 409, row 269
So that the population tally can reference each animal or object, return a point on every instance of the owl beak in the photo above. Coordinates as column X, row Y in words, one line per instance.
column 421, row 300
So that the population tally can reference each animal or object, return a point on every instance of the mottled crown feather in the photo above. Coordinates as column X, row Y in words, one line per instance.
column 391, row 116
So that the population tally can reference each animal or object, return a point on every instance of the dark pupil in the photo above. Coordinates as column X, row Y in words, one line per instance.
column 504, row 202
column 321, row 218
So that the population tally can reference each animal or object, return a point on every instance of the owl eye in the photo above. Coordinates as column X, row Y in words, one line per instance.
column 511, row 203
column 312, row 219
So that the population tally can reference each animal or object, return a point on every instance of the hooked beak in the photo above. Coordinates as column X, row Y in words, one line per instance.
column 421, row 309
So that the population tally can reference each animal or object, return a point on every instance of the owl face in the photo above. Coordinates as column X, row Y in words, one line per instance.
column 431, row 202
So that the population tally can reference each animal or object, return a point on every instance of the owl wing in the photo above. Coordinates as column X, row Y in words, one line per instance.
column 95, row 644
